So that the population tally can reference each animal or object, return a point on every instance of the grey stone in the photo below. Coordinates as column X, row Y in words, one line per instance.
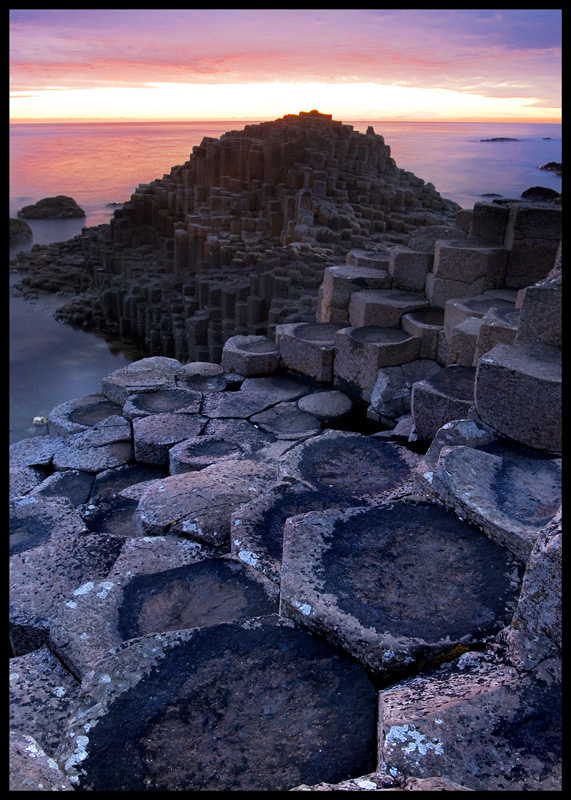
column 198, row 505
column 156, row 372
column 483, row 724
column 42, row 578
column 200, row 452
column 350, row 465
column 259, row 704
column 31, row 770
column 36, row 520
column 287, row 421
column 250, row 355
column 43, row 695
column 518, row 383
column 107, row 444
column 257, row 527
column 327, row 406
column 162, row 401
column 511, row 499
column 80, row 414
column 535, row 632
column 349, row 575
column 309, row 349
column 197, row 592
column 155, row 434
column 361, row 352
column 442, row 397
column 383, row 307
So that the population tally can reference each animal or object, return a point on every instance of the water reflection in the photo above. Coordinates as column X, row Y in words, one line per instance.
column 50, row 362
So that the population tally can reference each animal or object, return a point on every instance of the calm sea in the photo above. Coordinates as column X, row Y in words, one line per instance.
column 99, row 164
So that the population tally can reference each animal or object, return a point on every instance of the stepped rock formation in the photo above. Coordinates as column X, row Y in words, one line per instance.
column 329, row 559
column 235, row 240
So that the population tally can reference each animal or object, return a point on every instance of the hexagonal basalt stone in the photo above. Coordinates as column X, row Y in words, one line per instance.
column 203, row 592
column 365, row 579
column 156, row 434
column 309, row 348
column 512, row 499
column 256, row 705
column 107, row 444
column 200, row 452
column 162, row 401
column 82, row 413
column 350, row 465
column 257, row 528
column 287, row 421
column 250, row 355
column 198, row 505
column 41, row 578
column 155, row 373
column 36, row 520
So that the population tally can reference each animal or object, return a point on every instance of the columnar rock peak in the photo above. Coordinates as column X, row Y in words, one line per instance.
column 235, row 240
column 301, row 178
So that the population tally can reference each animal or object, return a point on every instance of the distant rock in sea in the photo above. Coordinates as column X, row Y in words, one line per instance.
column 552, row 166
column 59, row 207
column 500, row 139
column 540, row 194
column 19, row 230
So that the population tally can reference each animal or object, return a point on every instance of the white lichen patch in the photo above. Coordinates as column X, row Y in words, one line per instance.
column 248, row 557
column 366, row 784
column 106, row 587
column 59, row 691
column 84, row 588
column 26, row 501
column 411, row 741
column 305, row 608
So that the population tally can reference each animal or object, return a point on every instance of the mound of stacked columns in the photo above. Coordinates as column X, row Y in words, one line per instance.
column 235, row 240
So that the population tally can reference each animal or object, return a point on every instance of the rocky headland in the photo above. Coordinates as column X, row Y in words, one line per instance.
column 313, row 541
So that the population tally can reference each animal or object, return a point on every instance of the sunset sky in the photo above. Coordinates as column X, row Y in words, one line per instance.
column 408, row 64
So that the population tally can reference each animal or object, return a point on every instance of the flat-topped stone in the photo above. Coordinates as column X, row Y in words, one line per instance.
column 368, row 258
column 43, row 576
column 257, row 527
column 350, row 465
column 287, row 421
column 339, row 281
column 383, row 307
column 36, row 520
column 156, row 372
column 498, row 326
column 162, row 401
column 532, row 484
column 240, row 431
column 442, row 397
column 250, row 355
column 350, row 575
column 327, row 406
column 469, row 260
column 201, row 451
column 198, row 505
column 154, row 435
column 425, row 324
column 512, row 744
column 361, row 352
column 309, row 348
column 81, row 413
column 458, row 309
column 199, row 593
column 285, row 708
column 518, row 383
column 107, row 444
